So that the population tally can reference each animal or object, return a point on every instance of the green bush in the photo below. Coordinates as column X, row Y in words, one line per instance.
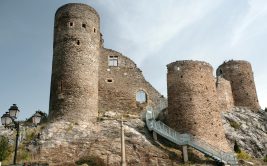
column 235, row 125
column 4, row 148
column 237, row 148
column 91, row 161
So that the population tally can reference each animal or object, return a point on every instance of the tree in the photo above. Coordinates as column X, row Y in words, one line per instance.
column 4, row 148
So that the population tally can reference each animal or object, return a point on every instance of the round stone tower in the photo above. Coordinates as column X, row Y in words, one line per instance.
column 240, row 75
column 74, row 82
column 193, row 105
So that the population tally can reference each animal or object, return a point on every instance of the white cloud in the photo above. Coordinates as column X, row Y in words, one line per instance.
column 154, row 34
column 149, row 25
column 246, row 27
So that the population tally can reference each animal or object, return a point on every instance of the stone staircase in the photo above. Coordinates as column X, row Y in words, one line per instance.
column 187, row 139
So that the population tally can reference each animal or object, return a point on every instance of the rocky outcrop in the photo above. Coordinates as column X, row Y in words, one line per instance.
column 64, row 143
column 75, row 141
column 248, row 129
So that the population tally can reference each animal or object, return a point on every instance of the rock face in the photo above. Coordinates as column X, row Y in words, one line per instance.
column 248, row 128
column 64, row 142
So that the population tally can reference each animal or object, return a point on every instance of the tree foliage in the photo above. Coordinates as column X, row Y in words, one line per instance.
column 4, row 148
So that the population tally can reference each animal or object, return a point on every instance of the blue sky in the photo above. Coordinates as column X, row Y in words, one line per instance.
column 150, row 32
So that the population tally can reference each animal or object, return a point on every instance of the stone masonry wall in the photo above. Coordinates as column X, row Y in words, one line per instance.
column 224, row 93
column 118, row 86
column 193, row 105
column 240, row 74
column 74, row 82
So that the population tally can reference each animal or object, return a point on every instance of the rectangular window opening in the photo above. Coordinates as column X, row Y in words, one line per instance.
column 113, row 61
column 109, row 80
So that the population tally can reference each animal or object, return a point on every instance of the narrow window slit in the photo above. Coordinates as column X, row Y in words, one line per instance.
column 61, row 86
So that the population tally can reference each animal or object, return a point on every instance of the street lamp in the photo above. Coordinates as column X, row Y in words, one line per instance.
column 5, row 119
column 36, row 118
column 8, row 120
column 13, row 111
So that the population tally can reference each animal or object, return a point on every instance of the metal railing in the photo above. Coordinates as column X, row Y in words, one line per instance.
column 187, row 139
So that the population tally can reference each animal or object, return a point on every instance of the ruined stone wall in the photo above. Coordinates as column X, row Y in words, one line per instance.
column 74, row 82
column 240, row 74
column 224, row 92
column 193, row 105
column 118, row 85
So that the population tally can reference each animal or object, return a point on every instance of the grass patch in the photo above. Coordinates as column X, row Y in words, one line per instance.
column 23, row 155
column 91, row 161
column 70, row 127
column 243, row 155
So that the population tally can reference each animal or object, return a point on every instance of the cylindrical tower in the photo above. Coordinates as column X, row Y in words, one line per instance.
column 74, row 82
column 240, row 75
column 193, row 105
column 225, row 95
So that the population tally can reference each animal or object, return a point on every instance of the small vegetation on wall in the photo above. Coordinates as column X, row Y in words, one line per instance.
column 235, row 125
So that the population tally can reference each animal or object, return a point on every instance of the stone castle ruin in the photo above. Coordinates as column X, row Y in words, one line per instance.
column 89, row 80
column 193, row 104
column 240, row 75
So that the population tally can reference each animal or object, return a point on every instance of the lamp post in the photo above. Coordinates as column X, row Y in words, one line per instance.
column 9, row 121
column 123, row 157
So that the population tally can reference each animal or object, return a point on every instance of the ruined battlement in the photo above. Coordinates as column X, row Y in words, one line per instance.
column 176, row 66
column 122, row 86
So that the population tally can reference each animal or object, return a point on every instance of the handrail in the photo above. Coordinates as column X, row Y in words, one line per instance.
column 187, row 139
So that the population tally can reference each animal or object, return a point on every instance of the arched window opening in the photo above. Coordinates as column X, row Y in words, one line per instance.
column 141, row 96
